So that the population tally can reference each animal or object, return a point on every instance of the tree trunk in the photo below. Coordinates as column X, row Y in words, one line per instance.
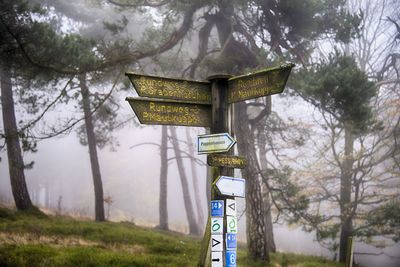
column 346, row 218
column 193, row 228
column 47, row 194
column 163, row 203
column 94, row 162
column 255, row 210
column 196, row 187
column 269, row 233
column 15, row 161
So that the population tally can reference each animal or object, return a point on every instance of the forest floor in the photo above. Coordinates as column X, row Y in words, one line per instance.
column 34, row 239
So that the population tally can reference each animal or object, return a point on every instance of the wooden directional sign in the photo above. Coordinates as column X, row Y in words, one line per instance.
column 228, row 161
column 156, row 111
column 214, row 143
column 262, row 83
column 231, row 186
column 171, row 88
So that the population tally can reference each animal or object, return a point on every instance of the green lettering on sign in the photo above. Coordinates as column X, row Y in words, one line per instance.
column 162, row 112
column 262, row 83
column 231, row 223
column 171, row 88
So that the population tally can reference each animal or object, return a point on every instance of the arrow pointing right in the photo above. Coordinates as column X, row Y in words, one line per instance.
column 214, row 143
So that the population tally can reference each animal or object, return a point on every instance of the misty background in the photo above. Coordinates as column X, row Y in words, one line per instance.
column 60, row 179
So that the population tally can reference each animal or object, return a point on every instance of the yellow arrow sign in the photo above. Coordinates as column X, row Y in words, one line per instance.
column 171, row 88
column 162, row 112
column 262, row 83
column 221, row 160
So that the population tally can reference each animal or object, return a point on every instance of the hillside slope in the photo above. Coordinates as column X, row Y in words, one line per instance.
column 33, row 239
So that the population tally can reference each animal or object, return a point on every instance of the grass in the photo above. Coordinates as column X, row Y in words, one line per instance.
column 33, row 239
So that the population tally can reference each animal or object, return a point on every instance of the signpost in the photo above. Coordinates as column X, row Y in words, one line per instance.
column 214, row 143
column 170, row 101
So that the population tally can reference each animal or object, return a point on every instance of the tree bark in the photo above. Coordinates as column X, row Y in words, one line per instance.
column 196, row 187
column 193, row 227
column 15, row 161
column 269, row 233
column 163, row 202
column 94, row 162
column 255, row 209
column 346, row 218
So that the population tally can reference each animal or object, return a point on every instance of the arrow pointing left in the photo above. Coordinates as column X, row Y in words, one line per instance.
column 231, row 186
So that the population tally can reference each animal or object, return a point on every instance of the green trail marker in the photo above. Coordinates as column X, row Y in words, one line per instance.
column 263, row 83
column 228, row 161
column 171, row 88
column 156, row 111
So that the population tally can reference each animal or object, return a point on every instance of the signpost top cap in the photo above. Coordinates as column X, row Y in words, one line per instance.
column 220, row 76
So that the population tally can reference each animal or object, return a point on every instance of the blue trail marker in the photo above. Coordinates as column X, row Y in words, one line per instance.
column 231, row 241
column 230, row 258
column 217, row 208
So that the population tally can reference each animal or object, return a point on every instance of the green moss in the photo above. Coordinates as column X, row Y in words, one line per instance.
column 113, row 244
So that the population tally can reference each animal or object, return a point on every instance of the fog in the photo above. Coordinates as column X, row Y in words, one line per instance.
column 60, row 181
column 131, row 178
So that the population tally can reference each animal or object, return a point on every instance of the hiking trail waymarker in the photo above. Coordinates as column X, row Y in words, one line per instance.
column 171, row 101
column 171, row 88
column 172, row 112
column 262, row 83
column 231, row 186
column 220, row 160
column 217, row 208
column 214, row 143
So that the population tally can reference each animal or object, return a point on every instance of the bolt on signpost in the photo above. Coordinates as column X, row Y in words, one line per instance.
column 169, row 101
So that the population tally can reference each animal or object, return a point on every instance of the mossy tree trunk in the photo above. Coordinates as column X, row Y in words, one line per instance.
column 255, row 208
column 94, row 161
column 15, row 160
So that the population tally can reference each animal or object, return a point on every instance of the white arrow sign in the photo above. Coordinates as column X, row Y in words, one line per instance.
column 214, row 143
column 231, row 186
